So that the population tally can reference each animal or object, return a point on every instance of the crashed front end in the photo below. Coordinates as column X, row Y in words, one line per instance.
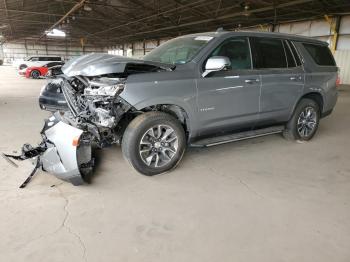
column 68, row 138
column 91, row 88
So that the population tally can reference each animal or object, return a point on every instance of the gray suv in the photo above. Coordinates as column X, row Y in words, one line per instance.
column 198, row 90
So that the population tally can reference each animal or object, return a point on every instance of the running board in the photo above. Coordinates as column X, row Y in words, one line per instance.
column 213, row 141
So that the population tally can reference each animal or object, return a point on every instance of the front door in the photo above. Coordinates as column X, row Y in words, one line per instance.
column 229, row 99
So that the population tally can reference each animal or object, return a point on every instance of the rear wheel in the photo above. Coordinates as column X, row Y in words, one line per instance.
column 304, row 122
column 154, row 143
column 35, row 74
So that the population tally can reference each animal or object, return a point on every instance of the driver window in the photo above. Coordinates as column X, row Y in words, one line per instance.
column 237, row 50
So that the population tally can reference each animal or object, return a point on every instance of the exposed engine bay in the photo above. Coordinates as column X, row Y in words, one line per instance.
column 91, row 85
column 95, row 105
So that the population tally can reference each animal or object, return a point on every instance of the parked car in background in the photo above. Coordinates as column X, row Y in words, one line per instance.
column 36, row 61
column 41, row 71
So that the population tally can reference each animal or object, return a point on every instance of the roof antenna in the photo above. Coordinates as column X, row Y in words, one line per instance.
column 220, row 29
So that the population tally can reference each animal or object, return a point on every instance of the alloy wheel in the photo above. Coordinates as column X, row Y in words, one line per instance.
column 35, row 74
column 158, row 146
column 307, row 121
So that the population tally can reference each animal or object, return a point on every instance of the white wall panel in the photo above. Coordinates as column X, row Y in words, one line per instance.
column 301, row 28
column 151, row 44
column 345, row 25
column 344, row 43
column 342, row 58
column 319, row 28
column 306, row 28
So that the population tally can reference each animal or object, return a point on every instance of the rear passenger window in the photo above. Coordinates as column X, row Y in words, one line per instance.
column 320, row 54
column 269, row 53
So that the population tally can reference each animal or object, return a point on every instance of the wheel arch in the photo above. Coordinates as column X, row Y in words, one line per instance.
column 175, row 110
column 315, row 96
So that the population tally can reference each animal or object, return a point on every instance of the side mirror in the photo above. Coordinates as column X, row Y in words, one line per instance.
column 216, row 63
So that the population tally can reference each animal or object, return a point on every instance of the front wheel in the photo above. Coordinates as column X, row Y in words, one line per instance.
column 154, row 143
column 304, row 122
column 22, row 66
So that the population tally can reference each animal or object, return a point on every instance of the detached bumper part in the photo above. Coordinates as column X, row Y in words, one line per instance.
column 65, row 151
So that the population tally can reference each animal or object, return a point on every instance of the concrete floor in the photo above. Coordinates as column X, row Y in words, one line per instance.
column 265, row 199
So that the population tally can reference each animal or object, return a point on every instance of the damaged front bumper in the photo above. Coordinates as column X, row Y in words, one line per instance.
column 64, row 152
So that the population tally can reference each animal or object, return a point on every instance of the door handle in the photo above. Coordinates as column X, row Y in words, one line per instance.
column 251, row 81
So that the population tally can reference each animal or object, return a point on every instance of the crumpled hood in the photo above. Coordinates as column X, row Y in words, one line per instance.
column 101, row 64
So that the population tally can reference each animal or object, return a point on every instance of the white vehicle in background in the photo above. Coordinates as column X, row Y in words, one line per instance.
column 35, row 61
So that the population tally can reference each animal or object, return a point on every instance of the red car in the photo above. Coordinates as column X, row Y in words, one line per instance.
column 40, row 71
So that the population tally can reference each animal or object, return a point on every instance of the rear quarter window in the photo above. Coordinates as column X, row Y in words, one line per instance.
column 320, row 54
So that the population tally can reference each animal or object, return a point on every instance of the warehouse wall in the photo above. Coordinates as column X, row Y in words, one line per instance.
column 320, row 29
column 14, row 51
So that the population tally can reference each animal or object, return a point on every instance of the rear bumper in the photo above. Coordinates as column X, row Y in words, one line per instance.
column 330, row 100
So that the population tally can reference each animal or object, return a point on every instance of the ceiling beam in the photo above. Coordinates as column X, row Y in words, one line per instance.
column 237, row 14
column 149, row 17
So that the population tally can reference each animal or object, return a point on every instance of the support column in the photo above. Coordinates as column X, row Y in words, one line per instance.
column 334, row 25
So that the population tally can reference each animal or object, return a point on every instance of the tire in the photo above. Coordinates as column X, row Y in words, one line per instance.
column 35, row 74
column 301, row 121
column 143, row 147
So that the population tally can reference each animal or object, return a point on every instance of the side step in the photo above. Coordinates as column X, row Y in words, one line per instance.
column 213, row 141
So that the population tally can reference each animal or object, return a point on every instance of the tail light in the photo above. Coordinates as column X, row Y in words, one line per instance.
column 337, row 82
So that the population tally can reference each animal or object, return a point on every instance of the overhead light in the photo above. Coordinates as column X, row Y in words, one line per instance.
column 55, row 33
column 246, row 11
column 87, row 8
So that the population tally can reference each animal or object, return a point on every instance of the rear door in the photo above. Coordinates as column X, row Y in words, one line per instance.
column 229, row 99
column 282, row 78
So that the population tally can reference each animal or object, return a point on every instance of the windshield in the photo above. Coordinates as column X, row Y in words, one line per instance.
column 179, row 50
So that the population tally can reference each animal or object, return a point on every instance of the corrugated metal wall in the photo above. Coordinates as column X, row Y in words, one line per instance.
column 13, row 51
column 319, row 29
column 343, row 61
